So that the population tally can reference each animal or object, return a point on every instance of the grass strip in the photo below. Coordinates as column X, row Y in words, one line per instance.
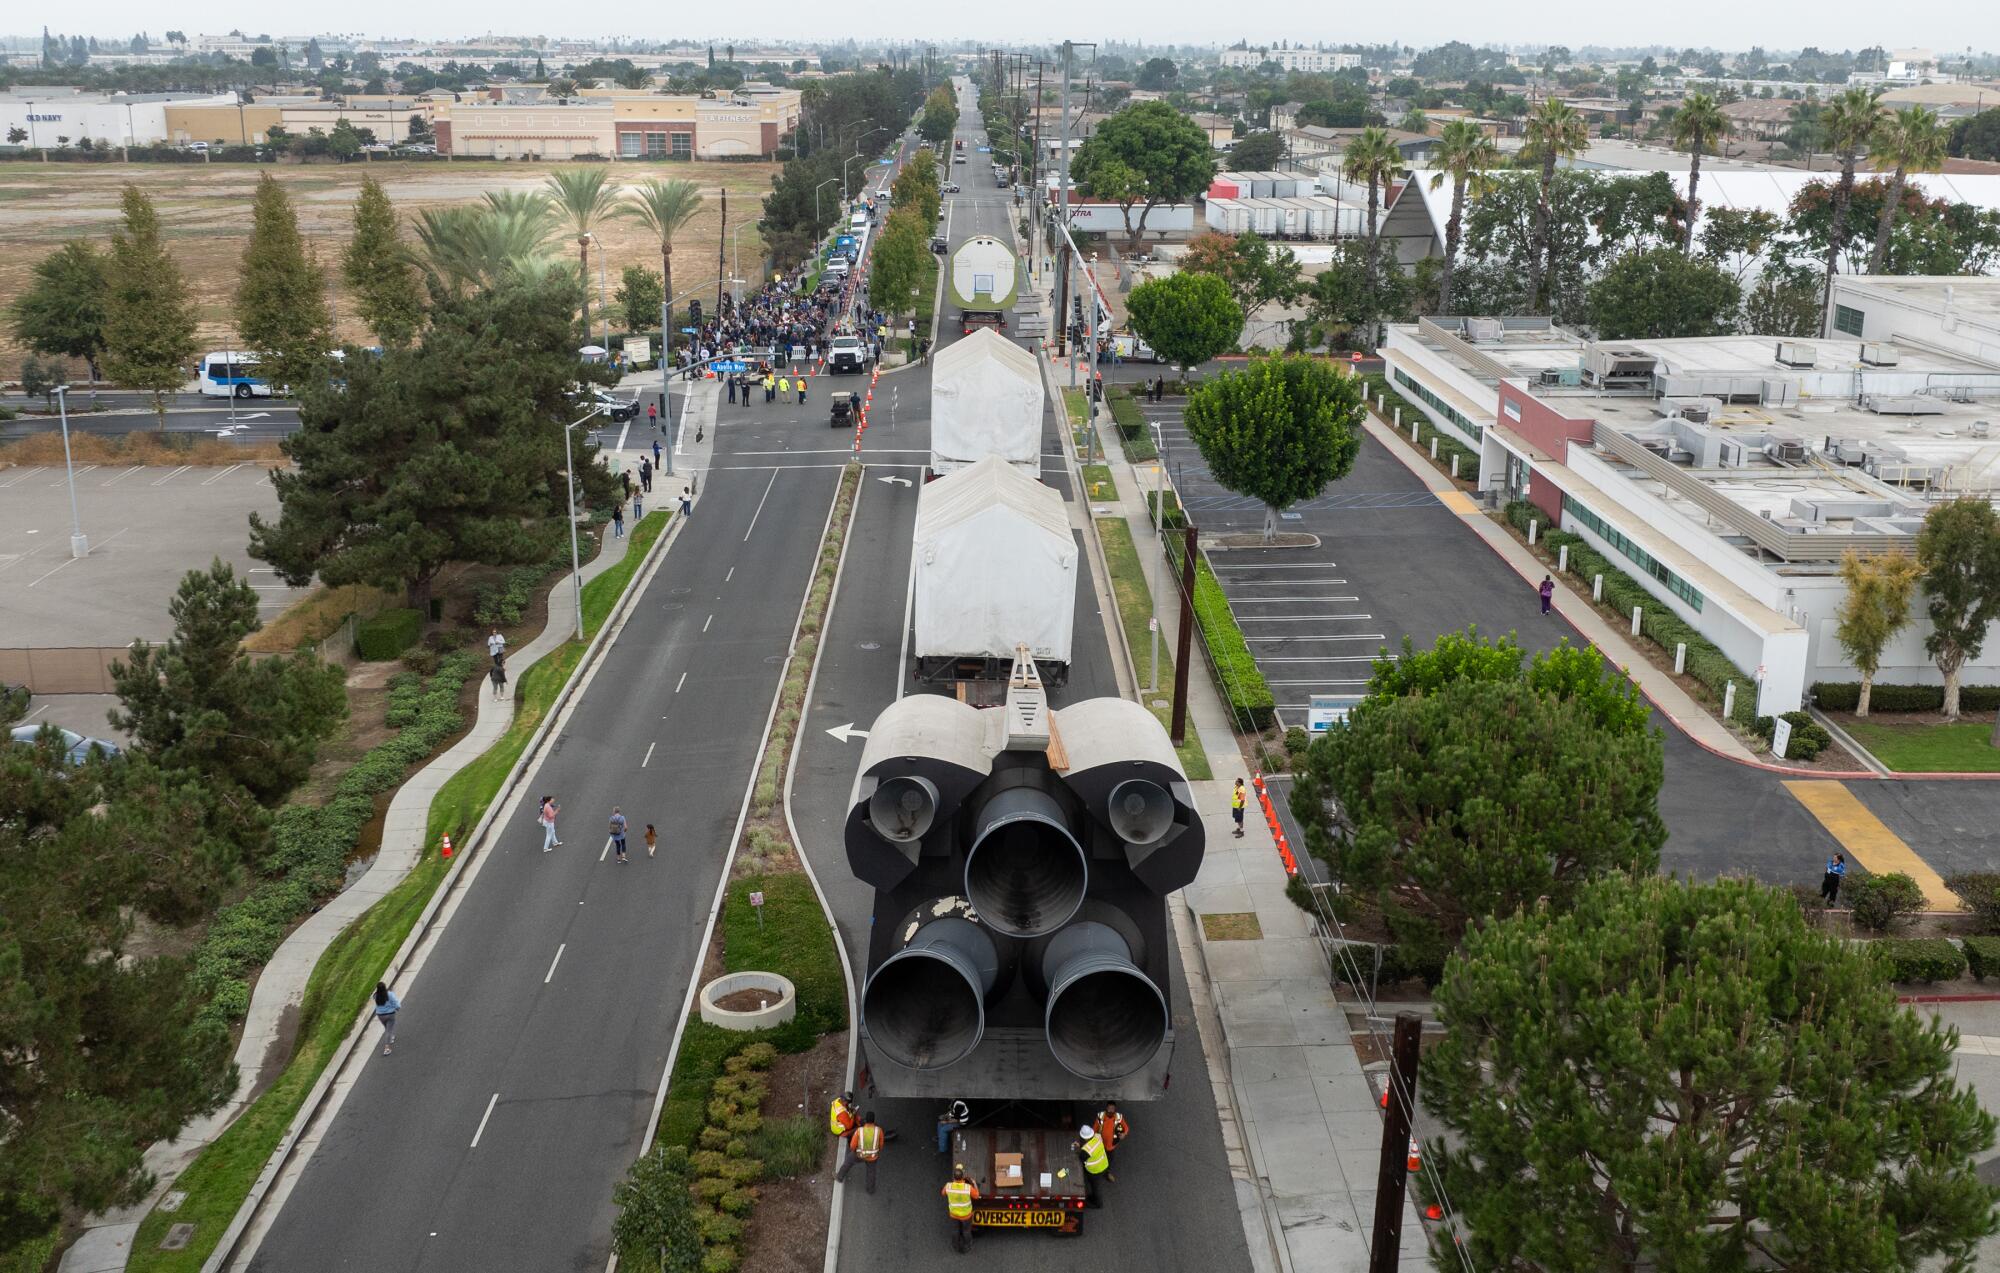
column 1135, row 607
column 1098, row 482
column 219, row 1178
column 1930, row 748
column 1133, row 433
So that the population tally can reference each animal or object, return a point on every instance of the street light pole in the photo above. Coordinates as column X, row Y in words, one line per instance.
column 79, row 543
column 1159, row 517
column 575, row 558
column 816, row 189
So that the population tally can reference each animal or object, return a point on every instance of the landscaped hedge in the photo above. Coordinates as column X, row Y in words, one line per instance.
column 1448, row 443
column 1982, row 955
column 1133, row 434
column 1236, row 672
column 1880, row 902
column 502, row 604
column 1845, row 696
column 1980, row 892
column 1809, row 737
column 1706, row 662
column 387, row 634
column 1920, row 959
column 310, row 845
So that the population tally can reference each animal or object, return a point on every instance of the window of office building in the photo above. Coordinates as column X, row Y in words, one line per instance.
column 1439, row 405
column 1638, row 556
column 629, row 144
column 1846, row 319
column 683, row 145
column 656, row 144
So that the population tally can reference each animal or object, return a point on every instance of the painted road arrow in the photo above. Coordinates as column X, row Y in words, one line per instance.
column 897, row 481
column 842, row 733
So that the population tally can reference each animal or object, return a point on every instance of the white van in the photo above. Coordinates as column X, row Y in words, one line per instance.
column 857, row 223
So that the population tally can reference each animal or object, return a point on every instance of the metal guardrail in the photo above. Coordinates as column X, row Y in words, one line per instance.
column 1483, row 364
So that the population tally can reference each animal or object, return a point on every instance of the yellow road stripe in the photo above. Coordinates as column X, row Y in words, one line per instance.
column 1868, row 840
column 1458, row 502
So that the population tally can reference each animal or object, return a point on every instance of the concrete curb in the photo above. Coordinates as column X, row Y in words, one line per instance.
column 309, row 1110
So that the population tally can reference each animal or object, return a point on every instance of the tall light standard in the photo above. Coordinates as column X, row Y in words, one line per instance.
column 856, row 155
column 1159, row 517
column 569, row 479
column 816, row 189
column 603, row 307
column 79, row 543
column 735, row 264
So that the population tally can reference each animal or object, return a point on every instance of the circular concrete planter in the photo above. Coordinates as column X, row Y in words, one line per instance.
column 782, row 1005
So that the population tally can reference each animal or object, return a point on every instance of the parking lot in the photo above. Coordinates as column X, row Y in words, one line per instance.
column 147, row 527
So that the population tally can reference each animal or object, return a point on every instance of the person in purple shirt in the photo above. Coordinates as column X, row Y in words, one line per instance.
column 1548, row 591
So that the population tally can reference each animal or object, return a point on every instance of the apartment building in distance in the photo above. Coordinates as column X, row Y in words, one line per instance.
column 1308, row 60
column 622, row 123
column 1729, row 475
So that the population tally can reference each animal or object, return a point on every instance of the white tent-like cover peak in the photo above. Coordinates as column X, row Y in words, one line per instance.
column 986, row 399
column 995, row 564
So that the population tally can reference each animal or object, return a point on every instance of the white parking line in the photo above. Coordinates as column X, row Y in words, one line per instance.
column 649, row 754
column 1285, row 583
column 681, row 682
column 116, row 478
column 80, row 472
column 225, row 473
column 24, row 476
column 1321, row 681
column 705, row 622
column 162, row 481
column 1328, row 658
column 1273, row 601
column 1282, row 640
column 1302, row 565
column 488, row 1114
column 1310, row 618
column 551, row 975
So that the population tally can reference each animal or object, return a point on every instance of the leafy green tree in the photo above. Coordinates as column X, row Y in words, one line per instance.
column 1958, row 551
column 344, row 142
column 1662, row 293
column 1875, row 609
column 387, row 292
column 1257, row 273
column 1784, row 301
column 1697, row 124
column 1463, row 156
column 917, row 185
column 899, row 261
column 281, row 309
column 1143, row 156
column 664, row 208
column 1187, row 318
column 1737, row 239
column 1689, row 1076
column 1158, row 74
column 199, row 702
column 940, row 116
column 1278, row 431
column 62, row 310
column 1257, row 152
column 1977, row 137
column 656, row 1226
column 639, row 295
column 405, row 468
column 1564, row 671
column 38, row 379
column 1347, row 298
column 1474, row 800
column 1906, row 141
column 149, row 313
column 1845, row 126
column 1555, row 131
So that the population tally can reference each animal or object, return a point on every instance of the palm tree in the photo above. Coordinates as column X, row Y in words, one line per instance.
column 581, row 198
column 1464, row 153
column 664, row 207
column 1912, row 141
column 1698, row 122
column 1846, row 124
column 1555, row 131
column 1374, row 158
column 471, row 246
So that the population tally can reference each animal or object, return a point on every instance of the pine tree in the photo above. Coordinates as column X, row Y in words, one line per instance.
column 387, row 292
column 281, row 310
column 149, row 325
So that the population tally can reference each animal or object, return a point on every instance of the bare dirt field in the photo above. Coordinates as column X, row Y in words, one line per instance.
column 206, row 211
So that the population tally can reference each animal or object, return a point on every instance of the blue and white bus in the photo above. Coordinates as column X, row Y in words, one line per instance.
column 227, row 374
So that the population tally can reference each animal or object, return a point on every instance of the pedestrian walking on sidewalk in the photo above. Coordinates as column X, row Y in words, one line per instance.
column 656, row 452
column 618, row 832
column 386, row 1007
column 638, row 507
column 496, row 645
column 1829, row 885
column 1237, row 799
column 687, row 501
column 645, row 474
column 618, row 520
column 1548, row 593
column 547, row 817
column 652, row 840
column 498, row 675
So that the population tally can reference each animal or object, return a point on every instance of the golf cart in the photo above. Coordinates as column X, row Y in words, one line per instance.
column 845, row 406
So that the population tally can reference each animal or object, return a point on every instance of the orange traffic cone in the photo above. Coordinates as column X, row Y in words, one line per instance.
column 1434, row 1212
column 1385, row 1098
column 1416, row 1158
column 446, row 847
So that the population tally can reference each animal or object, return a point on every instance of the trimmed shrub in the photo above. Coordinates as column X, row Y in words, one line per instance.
column 718, row 1230
column 742, row 1171
column 387, row 634
column 1920, row 959
column 759, row 1056
column 719, row 1259
column 1880, row 902
column 738, row 1201
column 1980, row 891
column 711, row 1188
column 1236, row 672
column 1982, row 955
column 1845, row 696
column 1297, row 740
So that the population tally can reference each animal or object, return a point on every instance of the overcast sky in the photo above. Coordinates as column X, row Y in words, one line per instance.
column 1944, row 25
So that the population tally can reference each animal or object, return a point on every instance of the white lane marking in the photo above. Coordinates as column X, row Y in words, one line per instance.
column 760, row 508
column 621, row 436
column 24, row 476
column 494, row 1100
column 731, row 575
column 121, row 476
column 649, row 754
column 1330, row 658
column 219, row 476
column 1309, row 618
column 677, row 686
column 171, row 476
column 1285, row 583
column 552, row 969
column 907, row 450
column 705, row 622
column 1273, row 601
column 607, row 849
column 66, row 561
column 1320, row 681
column 1303, row 565
column 1330, row 636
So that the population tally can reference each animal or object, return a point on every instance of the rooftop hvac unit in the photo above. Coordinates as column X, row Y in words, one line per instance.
column 1880, row 353
column 1606, row 366
column 1900, row 404
column 1849, row 451
column 1662, row 447
column 1781, row 393
column 1785, row 447
column 1697, row 410
column 1980, row 428
column 1733, row 454
column 1797, row 354
column 1483, row 329
column 1566, row 376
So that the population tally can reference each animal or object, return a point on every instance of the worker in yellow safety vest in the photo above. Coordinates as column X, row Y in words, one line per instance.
column 867, row 1145
column 840, row 1122
column 959, row 1195
column 1089, row 1147
column 1236, row 802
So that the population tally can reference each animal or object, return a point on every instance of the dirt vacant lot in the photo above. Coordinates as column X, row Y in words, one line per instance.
column 206, row 210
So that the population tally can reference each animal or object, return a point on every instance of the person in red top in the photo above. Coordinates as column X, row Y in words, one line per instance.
column 867, row 1145
column 1111, row 1125
column 959, row 1195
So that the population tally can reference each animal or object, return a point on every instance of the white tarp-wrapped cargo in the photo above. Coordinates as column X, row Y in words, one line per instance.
column 983, row 275
column 986, row 399
column 995, row 566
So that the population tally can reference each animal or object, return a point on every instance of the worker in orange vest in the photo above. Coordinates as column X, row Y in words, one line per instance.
column 959, row 1195
column 840, row 1122
column 867, row 1145
column 1111, row 1125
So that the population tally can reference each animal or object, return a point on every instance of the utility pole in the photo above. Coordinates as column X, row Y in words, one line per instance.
column 1392, row 1175
column 721, row 262
column 1062, row 221
column 1184, row 637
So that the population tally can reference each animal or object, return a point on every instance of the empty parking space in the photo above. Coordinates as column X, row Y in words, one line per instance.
column 1304, row 621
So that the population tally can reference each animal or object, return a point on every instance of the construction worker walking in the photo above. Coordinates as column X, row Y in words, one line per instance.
column 840, row 1122
column 959, row 1195
column 1236, row 802
column 1113, row 1128
column 1089, row 1147
column 867, row 1145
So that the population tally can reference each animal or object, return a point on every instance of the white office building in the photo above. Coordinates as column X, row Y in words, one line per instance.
column 54, row 117
column 1309, row 60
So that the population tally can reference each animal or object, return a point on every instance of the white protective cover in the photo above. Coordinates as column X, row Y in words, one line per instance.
column 995, row 566
column 986, row 399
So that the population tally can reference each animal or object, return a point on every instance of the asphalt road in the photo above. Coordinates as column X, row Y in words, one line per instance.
column 257, row 421
column 1188, row 1218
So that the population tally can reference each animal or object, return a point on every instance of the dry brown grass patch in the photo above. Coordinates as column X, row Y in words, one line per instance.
column 315, row 617
column 146, row 448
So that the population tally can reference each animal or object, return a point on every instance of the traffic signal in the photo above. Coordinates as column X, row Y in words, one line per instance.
column 694, row 310
column 1021, row 859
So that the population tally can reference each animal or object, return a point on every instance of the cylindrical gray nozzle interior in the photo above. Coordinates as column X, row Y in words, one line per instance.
column 1105, row 1018
column 1025, row 873
column 903, row 807
column 925, row 1007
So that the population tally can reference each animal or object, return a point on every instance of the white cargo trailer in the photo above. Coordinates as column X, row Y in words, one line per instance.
column 995, row 567
column 986, row 399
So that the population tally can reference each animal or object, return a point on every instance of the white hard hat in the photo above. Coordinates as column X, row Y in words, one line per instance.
column 1084, row 1131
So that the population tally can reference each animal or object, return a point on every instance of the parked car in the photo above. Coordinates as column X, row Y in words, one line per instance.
column 616, row 409
column 76, row 748
column 939, row 244
column 949, row 187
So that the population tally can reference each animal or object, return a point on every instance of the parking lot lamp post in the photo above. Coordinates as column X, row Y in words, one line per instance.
column 817, row 222
column 575, row 559
column 79, row 543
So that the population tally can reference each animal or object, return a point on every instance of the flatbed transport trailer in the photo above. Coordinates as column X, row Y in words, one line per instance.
column 1048, row 1191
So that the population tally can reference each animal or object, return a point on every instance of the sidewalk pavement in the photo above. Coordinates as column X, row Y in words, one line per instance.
column 1297, row 1097
column 263, row 1050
